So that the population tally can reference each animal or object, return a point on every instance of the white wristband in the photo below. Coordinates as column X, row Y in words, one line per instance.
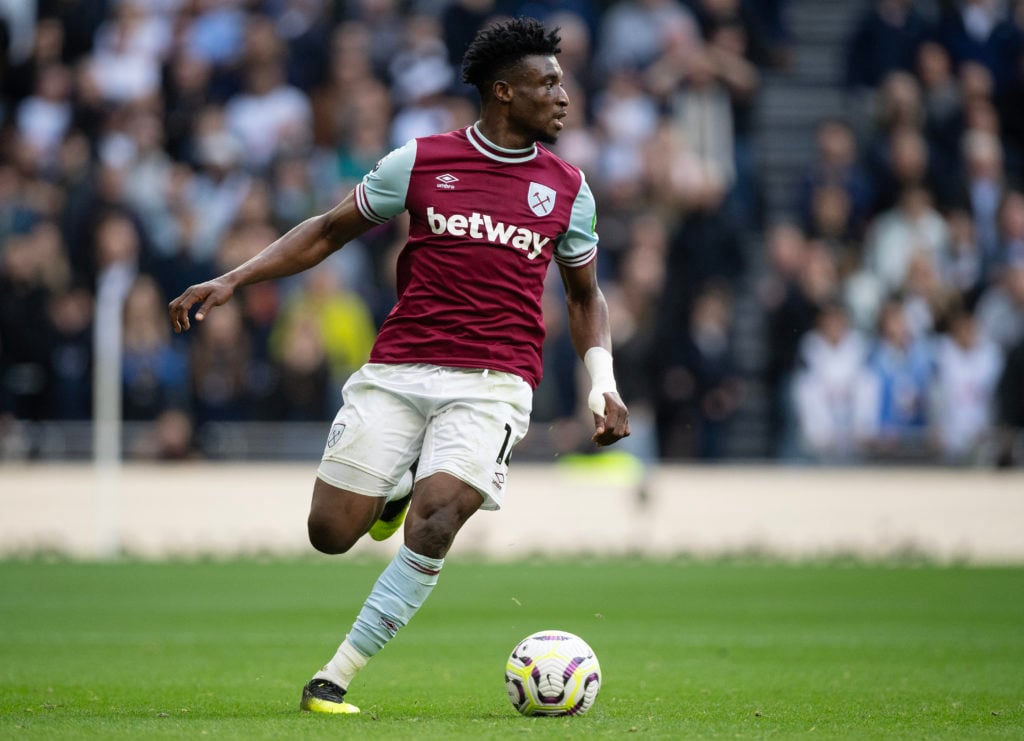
column 602, row 378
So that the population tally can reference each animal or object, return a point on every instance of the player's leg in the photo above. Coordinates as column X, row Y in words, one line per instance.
column 339, row 518
column 372, row 444
column 459, row 473
column 441, row 505
column 392, row 516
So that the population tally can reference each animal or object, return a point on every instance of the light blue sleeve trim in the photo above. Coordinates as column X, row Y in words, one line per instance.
column 578, row 245
column 383, row 190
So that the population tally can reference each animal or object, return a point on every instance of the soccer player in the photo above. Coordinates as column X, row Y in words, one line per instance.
column 447, row 391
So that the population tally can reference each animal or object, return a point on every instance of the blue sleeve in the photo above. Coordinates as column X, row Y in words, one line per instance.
column 578, row 245
column 381, row 194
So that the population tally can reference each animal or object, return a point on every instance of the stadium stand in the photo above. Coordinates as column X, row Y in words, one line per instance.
column 760, row 169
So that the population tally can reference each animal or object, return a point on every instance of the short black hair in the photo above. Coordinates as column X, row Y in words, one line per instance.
column 500, row 46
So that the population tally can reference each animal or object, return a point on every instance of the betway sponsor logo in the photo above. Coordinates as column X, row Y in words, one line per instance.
column 481, row 226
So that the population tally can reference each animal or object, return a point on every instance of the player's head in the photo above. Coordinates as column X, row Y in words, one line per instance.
column 512, row 64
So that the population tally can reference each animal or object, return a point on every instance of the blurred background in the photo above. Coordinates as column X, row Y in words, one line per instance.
column 811, row 216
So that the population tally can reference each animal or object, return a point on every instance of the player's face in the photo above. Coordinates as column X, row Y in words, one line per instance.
column 539, row 100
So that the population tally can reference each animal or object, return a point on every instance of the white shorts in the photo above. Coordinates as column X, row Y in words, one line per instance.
column 461, row 421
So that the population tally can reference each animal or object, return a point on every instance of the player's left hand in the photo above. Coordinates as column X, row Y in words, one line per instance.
column 614, row 425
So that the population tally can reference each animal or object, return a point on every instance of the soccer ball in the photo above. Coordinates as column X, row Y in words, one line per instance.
column 552, row 673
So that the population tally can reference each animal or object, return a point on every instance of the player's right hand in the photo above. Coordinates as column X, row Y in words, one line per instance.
column 209, row 294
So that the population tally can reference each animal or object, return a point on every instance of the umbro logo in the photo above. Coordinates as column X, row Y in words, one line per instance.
column 446, row 181
column 389, row 625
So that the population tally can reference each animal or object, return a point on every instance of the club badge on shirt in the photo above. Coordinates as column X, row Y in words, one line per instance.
column 541, row 199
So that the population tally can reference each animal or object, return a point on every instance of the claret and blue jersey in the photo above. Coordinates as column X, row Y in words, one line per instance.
column 485, row 222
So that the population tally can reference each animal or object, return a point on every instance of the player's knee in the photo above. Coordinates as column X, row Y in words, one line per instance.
column 432, row 534
column 327, row 537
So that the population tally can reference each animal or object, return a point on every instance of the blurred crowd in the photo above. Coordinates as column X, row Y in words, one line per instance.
column 895, row 297
column 150, row 144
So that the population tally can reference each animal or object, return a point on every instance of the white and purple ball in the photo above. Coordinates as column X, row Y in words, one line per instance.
column 552, row 672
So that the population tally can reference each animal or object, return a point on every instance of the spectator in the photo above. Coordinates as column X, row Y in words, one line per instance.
column 633, row 305
column 742, row 18
column 706, row 247
column 634, row 34
column 730, row 47
column 708, row 88
column 17, row 212
column 221, row 184
column 1010, row 408
column 831, row 365
column 25, row 344
column 304, row 28
column 1000, row 308
column 908, row 162
column 900, row 111
column 912, row 227
column 21, row 79
column 979, row 31
column 382, row 23
column 626, row 118
column 129, row 49
column 186, row 91
column 268, row 116
column 963, row 271
column 220, row 361
column 930, row 303
column 155, row 368
column 788, row 315
column 1011, row 228
column 343, row 103
column 147, row 173
column 983, row 188
column 943, row 115
column 421, row 78
column 700, row 386
column 895, row 399
column 70, row 314
column 215, row 34
column 460, row 20
column 44, row 118
column 967, row 366
column 702, row 110
column 836, row 163
column 831, row 224
column 303, row 391
column 343, row 323
column 886, row 39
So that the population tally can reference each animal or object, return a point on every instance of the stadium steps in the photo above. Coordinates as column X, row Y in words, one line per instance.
column 790, row 105
column 792, row 102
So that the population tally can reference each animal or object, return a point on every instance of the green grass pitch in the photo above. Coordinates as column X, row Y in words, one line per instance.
column 689, row 649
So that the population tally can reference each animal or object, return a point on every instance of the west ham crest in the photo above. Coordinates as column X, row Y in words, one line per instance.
column 335, row 434
column 541, row 199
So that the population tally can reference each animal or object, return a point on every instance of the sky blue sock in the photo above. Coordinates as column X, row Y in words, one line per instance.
column 398, row 594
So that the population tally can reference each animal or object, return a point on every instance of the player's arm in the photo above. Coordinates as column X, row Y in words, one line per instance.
column 588, row 329
column 300, row 248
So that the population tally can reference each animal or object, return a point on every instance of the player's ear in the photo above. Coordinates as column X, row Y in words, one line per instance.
column 502, row 91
